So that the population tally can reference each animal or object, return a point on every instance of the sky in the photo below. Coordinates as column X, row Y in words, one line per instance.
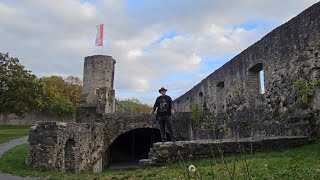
column 170, row 43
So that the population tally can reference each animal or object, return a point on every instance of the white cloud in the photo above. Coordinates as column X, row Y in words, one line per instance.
column 6, row 11
column 134, row 53
column 202, row 75
column 53, row 37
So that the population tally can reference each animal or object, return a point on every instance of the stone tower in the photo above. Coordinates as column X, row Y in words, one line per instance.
column 98, row 95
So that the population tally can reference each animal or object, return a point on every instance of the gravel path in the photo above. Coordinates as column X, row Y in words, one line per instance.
column 7, row 146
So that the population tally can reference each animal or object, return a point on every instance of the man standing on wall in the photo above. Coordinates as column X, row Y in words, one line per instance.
column 164, row 108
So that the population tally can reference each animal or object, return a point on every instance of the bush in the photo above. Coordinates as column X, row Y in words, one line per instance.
column 196, row 113
column 306, row 88
column 61, row 107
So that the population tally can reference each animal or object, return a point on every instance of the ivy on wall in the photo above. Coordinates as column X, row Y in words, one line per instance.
column 306, row 88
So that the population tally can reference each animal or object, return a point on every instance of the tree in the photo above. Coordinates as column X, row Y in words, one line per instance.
column 69, row 88
column 74, row 88
column 196, row 113
column 20, row 90
column 134, row 105
column 75, row 81
column 62, row 95
column 61, row 106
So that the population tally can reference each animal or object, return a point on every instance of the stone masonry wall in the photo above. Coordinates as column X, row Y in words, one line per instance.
column 98, row 72
column 31, row 119
column 187, row 150
column 66, row 146
column 76, row 147
column 232, row 95
column 117, row 124
column 98, row 81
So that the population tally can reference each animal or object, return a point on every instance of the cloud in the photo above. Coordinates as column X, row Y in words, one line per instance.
column 152, row 41
column 7, row 11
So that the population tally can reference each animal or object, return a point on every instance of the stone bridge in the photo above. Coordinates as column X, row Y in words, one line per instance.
column 93, row 146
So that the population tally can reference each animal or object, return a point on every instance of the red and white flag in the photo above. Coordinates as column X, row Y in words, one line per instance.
column 99, row 37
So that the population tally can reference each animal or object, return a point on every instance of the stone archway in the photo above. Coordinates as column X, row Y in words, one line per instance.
column 69, row 156
column 128, row 148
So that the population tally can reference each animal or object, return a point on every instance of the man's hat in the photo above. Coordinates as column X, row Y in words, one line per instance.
column 162, row 89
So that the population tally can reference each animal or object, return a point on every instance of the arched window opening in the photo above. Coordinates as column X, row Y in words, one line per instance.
column 256, row 80
column 69, row 156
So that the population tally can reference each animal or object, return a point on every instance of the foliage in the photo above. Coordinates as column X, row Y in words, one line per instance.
column 284, row 115
column 227, row 132
column 208, row 124
column 20, row 90
column 69, row 88
column 164, row 154
column 8, row 133
column 306, row 88
column 133, row 105
column 196, row 113
column 60, row 106
column 297, row 163
column 61, row 95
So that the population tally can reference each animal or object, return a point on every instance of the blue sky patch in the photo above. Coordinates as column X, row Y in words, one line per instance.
column 246, row 26
column 169, row 35
column 135, row 6
column 254, row 24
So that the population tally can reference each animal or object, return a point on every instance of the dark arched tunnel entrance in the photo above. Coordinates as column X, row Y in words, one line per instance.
column 128, row 148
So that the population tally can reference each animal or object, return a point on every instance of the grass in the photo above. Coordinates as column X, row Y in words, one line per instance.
column 9, row 132
column 297, row 163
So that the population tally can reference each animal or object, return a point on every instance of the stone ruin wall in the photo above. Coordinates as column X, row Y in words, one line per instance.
column 231, row 93
column 98, row 95
column 76, row 147
column 81, row 146
column 71, row 147
column 31, row 119
column 117, row 124
column 161, row 154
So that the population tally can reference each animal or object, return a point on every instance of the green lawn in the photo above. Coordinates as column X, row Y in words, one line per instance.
column 298, row 163
column 8, row 132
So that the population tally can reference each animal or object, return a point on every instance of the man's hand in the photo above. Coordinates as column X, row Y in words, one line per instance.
column 152, row 112
column 172, row 111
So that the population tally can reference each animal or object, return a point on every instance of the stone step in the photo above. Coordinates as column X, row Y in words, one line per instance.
column 144, row 163
column 173, row 152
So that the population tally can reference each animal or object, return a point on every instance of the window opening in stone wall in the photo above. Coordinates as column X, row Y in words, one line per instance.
column 220, row 97
column 69, row 155
column 256, row 81
column 261, row 83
